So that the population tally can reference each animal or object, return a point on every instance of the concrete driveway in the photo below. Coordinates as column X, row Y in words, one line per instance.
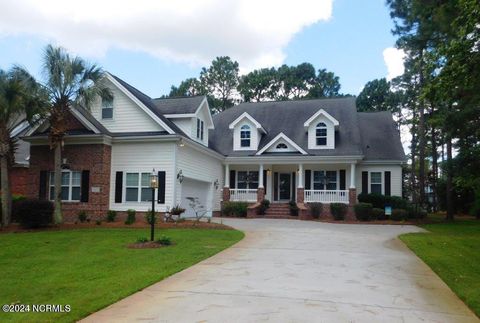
column 299, row 271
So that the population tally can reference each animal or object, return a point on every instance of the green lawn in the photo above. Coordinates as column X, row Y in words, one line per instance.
column 452, row 251
column 92, row 268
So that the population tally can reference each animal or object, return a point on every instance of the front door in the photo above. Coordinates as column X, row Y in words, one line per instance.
column 284, row 186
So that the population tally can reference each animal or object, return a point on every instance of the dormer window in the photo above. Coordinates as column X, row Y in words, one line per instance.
column 245, row 134
column 321, row 134
column 281, row 146
column 200, row 127
column 107, row 108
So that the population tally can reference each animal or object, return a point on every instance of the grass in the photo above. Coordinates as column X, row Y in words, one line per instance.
column 92, row 268
column 452, row 251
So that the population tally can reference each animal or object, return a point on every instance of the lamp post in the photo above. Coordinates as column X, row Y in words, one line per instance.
column 153, row 186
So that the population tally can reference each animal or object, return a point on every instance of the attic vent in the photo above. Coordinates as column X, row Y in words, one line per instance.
column 281, row 146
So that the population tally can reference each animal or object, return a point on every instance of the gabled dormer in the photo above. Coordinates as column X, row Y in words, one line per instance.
column 281, row 144
column 321, row 129
column 247, row 132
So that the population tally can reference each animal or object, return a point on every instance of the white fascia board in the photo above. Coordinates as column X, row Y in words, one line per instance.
column 210, row 119
column 72, row 140
column 281, row 135
column 317, row 114
column 139, row 103
column 278, row 160
column 180, row 115
column 249, row 117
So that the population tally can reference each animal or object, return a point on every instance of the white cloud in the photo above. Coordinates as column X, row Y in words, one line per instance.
column 193, row 31
column 394, row 59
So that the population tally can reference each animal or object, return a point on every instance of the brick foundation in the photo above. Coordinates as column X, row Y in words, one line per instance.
column 93, row 157
column 300, row 195
column 260, row 194
column 226, row 194
column 352, row 196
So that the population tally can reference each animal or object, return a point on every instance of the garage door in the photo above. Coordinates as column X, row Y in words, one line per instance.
column 193, row 188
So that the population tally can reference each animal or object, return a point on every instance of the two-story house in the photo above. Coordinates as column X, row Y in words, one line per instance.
column 307, row 151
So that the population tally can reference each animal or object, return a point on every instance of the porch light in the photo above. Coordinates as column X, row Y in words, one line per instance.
column 153, row 186
column 180, row 176
column 181, row 143
column 153, row 180
column 269, row 172
column 216, row 184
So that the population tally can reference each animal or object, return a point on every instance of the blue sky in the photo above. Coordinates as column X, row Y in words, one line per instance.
column 348, row 40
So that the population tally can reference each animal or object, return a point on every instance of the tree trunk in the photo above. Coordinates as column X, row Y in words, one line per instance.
column 58, row 217
column 6, row 194
column 434, row 168
column 413, row 181
column 421, row 139
column 450, row 209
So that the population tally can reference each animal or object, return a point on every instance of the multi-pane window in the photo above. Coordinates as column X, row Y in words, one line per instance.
column 245, row 136
column 282, row 146
column 71, row 185
column 376, row 182
column 138, row 187
column 107, row 108
column 321, row 134
column 325, row 180
column 248, row 180
column 200, row 129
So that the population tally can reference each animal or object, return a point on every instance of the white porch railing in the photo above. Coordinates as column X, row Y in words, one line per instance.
column 324, row 196
column 243, row 195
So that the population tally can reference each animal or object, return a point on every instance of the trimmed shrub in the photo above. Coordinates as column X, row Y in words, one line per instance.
column 363, row 211
column 130, row 216
column 98, row 222
column 263, row 207
column 16, row 198
column 380, row 201
column 399, row 215
column 235, row 209
column 111, row 215
column 142, row 240
column 34, row 213
column 82, row 216
column 149, row 217
column 378, row 214
column 416, row 212
column 315, row 209
column 338, row 210
column 293, row 208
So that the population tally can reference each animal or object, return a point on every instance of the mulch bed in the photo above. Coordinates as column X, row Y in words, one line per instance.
column 146, row 245
column 119, row 225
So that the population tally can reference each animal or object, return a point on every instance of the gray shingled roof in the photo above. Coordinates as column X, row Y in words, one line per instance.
column 289, row 116
column 380, row 137
column 179, row 105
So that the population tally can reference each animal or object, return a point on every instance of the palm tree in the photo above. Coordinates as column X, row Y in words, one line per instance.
column 21, row 97
column 69, row 81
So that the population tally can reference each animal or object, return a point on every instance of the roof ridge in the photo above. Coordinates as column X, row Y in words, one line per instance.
column 299, row 100
column 179, row 97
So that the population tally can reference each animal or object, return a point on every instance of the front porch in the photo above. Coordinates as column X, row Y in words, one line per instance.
column 282, row 183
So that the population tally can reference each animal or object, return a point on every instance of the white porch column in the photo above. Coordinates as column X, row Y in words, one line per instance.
column 227, row 175
column 352, row 175
column 260, row 176
column 300, row 176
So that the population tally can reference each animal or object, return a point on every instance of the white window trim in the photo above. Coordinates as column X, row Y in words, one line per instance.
column 70, row 186
column 249, row 130
column 103, row 107
column 337, row 176
column 382, row 190
column 318, row 127
column 248, row 172
column 139, row 187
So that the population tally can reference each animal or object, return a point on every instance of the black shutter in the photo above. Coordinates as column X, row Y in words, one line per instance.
column 118, row 187
column 265, row 181
column 161, row 187
column 342, row 179
column 308, row 179
column 388, row 183
column 365, row 182
column 85, row 186
column 294, row 188
column 42, row 190
column 232, row 179
column 275, row 186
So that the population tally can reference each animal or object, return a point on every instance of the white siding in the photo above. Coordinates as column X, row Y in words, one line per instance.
column 396, row 177
column 312, row 144
column 185, row 124
column 142, row 157
column 127, row 116
column 201, row 167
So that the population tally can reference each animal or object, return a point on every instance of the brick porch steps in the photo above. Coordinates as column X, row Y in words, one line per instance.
column 278, row 210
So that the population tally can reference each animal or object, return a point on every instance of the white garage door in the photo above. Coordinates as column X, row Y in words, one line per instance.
column 193, row 188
